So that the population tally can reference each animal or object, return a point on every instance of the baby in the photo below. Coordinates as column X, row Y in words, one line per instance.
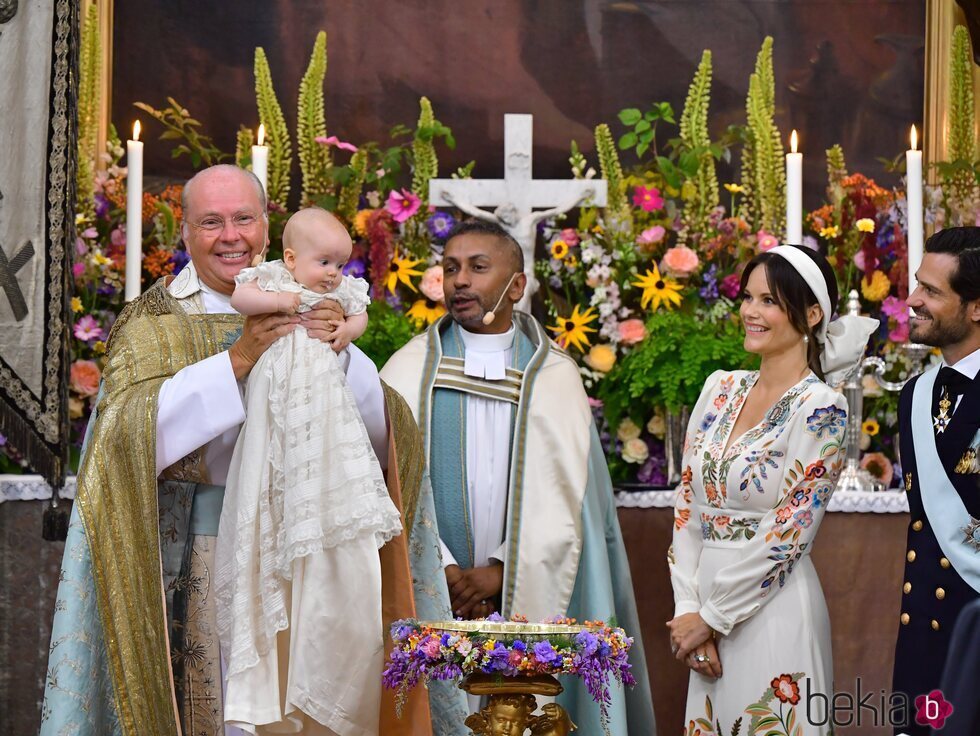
column 298, row 577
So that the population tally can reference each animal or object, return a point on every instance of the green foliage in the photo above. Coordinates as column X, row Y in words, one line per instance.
column 763, row 173
column 89, row 103
column 836, row 165
column 616, row 204
column 351, row 193
column 960, row 177
column 642, row 135
column 277, row 135
column 243, row 147
column 697, row 144
column 671, row 365
column 390, row 330
column 179, row 125
column 425, row 163
column 314, row 158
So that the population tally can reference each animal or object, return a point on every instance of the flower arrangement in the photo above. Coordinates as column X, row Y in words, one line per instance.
column 451, row 650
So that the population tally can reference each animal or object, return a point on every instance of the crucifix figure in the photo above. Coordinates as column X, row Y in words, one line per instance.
column 515, row 197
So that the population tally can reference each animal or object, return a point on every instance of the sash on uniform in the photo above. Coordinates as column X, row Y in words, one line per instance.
column 956, row 531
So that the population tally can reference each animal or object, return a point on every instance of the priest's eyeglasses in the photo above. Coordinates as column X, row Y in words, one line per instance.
column 212, row 224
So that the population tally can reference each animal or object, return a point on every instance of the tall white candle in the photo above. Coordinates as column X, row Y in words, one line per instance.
column 134, row 213
column 260, row 160
column 794, row 194
column 913, row 196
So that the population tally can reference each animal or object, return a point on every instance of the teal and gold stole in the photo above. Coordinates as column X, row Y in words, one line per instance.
column 447, row 444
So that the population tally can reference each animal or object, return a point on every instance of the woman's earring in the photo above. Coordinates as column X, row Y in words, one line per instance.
column 806, row 339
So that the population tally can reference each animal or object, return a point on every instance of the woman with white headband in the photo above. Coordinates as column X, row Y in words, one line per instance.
column 761, row 459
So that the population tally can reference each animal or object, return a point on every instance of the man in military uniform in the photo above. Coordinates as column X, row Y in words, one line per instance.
column 940, row 438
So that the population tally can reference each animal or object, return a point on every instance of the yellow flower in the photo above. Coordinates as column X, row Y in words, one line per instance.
column 425, row 311
column 361, row 221
column 829, row 232
column 735, row 188
column 559, row 249
column 98, row 346
column 659, row 290
column 877, row 287
column 601, row 358
column 688, row 191
column 402, row 269
column 865, row 225
column 76, row 305
column 870, row 427
column 572, row 330
column 597, row 229
column 100, row 260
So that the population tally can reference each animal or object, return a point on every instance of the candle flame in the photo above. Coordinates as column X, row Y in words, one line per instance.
column 136, row 130
column 914, row 137
column 261, row 137
column 793, row 141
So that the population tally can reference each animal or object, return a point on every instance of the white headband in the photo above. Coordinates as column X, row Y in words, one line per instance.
column 842, row 341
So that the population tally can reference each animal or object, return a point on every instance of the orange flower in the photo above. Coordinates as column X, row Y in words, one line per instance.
column 815, row 470
column 149, row 206
column 783, row 515
column 157, row 263
column 681, row 518
column 785, row 689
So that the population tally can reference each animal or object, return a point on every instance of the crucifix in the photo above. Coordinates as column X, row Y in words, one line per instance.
column 515, row 197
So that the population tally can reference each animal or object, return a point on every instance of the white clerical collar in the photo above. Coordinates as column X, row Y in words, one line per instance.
column 968, row 366
column 187, row 283
column 486, row 355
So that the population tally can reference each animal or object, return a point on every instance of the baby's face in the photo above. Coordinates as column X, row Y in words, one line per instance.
column 318, row 264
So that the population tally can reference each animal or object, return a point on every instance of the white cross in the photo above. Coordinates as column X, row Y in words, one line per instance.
column 516, row 195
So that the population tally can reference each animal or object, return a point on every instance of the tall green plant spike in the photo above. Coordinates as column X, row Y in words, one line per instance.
column 694, row 134
column 351, row 193
column 426, row 163
column 314, row 159
column 611, row 169
column 89, row 102
column 277, row 135
column 836, row 166
column 962, row 124
column 767, row 78
column 243, row 146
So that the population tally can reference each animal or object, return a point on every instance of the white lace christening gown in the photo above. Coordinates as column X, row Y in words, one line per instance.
column 744, row 523
column 298, row 577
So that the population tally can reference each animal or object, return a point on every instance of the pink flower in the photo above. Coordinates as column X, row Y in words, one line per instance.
column 80, row 247
column 431, row 284
column 860, row 262
column 118, row 236
column 88, row 329
column 900, row 333
column 652, row 235
column 879, row 466
column 90, row 232
column 766, row 240
column 730, row 285
column 85, row 375
column 681, row 261
column 333, row 140
column 647, row 198
column 895, row 308
column 402, row 205
column 431, row 648
column 631, row 331
column 570, row 236
column 77, row 269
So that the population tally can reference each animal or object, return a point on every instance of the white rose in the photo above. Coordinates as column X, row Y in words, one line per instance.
column 657, row 426
column 635, row 451
column 865, row 441
column 627, row 430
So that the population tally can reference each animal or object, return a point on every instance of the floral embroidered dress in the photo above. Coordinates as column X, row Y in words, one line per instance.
column 744, row 523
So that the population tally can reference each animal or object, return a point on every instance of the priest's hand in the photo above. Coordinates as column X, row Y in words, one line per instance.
column 317, row 321
column 259, row 332
column 474, row 587
column 687, row 631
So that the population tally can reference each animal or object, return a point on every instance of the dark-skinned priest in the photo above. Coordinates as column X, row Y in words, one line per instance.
column 134, row 647
column 524, row 503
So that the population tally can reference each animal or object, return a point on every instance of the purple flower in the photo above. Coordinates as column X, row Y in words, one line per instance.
column 179, row 258
column 101, row 206
column 355, row 268
column 709, row 292
column 87, row 328
column 3, row 440
column 496, row 617
column 588, row 642
column 730, row 286
column 440, row 224
column 545, row 652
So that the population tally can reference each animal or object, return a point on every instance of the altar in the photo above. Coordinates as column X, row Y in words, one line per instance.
column 859, row 556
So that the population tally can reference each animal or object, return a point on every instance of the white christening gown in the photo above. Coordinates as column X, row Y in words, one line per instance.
column 298, row 577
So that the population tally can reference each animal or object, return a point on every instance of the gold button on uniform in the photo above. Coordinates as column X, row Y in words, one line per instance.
column 940, row 593
column 905, row 619
column 935, row 625
column 907, row 587
column 944, row 563
column 910, row 556
column 917, row 526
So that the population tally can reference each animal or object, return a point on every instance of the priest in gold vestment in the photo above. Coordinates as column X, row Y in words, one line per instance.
column 134, row 648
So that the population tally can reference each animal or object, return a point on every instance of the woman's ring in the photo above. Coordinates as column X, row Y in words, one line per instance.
column 701, row 658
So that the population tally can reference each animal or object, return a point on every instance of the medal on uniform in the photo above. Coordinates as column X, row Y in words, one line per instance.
column 972, row 534
column 941, row 421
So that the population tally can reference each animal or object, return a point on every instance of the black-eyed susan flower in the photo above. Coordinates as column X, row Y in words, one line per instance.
column 559, row 249
column 870, row 427
column 658, row 290
column 425, row 311
column 572, row 330
column 402, row 269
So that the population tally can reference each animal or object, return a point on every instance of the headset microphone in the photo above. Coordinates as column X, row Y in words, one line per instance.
column 489, row 317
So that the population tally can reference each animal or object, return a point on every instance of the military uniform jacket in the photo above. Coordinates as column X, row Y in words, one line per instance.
column 933, row 592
